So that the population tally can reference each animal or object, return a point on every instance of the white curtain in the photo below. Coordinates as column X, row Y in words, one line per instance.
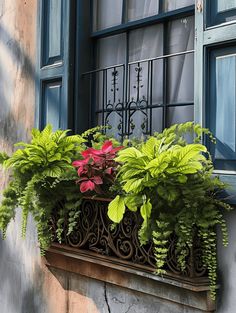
column 145, row 43
column 224, row 5
column 111, row 51
column 106, row 13
column 170, row 5
column 225, row 107
column 180, row 70
column 141, row 8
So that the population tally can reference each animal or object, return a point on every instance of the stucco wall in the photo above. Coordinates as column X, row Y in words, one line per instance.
column 227, row 269
column 25, row 283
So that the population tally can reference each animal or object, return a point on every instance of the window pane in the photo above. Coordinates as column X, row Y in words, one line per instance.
column 146, row 43
column 109, row 83
column 140, row 9
column 220, row 11
column 179, row 114
column 157, row 120
column 170, row 5
column 111, row 50
column 180, row 68
column 225, row 107
column 106, row 13
column 224, row 5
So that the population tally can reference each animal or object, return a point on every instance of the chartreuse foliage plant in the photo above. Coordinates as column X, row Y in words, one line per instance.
column 41, row 177
column 170, row 183
column 166, row 179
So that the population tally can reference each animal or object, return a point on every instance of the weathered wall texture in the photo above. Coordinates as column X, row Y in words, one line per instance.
column 23, row 277
column 227, row 269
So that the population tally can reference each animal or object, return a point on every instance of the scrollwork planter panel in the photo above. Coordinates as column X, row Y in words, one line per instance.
column 94, row 233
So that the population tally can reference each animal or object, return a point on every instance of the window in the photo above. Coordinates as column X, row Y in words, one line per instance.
column 143, row 77
column 214, row 88
column 222, row 106
column 221, row 11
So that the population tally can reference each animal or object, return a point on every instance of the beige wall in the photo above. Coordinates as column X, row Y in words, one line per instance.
column 26, row 284
column 17, row 62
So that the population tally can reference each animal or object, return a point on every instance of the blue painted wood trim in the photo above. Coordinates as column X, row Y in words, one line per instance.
column 213, row 17
column 159, row 18
column 83, row 63
column 206, row 38
column 58, row 71
column 37, row 121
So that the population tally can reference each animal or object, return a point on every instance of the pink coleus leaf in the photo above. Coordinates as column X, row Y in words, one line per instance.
column 78, row 163
column 90, row 152
column 107, row 147
column 86, row 186
column 97, row 180
column 113, row 151
column 82, row 170
column 109, row 170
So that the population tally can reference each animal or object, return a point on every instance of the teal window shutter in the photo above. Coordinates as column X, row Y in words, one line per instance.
column 54, row 63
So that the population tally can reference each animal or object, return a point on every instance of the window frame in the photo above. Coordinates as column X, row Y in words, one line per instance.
column 215, row 18
column 125, row 27
column 212, row 54
column 205, row 39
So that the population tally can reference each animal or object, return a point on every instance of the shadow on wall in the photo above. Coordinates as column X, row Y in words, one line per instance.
column 12, row 128
column 20, row 273
column 22, row 278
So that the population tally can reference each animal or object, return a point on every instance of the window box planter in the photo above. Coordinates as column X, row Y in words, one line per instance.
column 162, row 187
column 93, row 234
column 116, row 257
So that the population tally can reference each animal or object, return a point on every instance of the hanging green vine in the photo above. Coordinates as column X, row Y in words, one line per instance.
column 41, row 176
column 169, row 181
column 176, row 178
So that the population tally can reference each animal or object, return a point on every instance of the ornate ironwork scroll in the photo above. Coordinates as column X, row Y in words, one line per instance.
column 94, row 232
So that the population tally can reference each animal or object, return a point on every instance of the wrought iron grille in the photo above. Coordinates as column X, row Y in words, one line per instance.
column 93, row 232
column 128, row 97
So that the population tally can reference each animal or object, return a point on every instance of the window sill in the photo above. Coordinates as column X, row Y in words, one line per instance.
column 190, row 293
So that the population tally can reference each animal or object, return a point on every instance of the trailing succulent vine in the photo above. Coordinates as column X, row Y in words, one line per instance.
column 167, row 180
column 170, row 182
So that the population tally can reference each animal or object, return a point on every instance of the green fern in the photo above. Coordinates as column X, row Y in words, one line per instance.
column 42, row 172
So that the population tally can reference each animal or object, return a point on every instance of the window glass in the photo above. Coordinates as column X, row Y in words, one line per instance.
column 170, row 5
column 220, row 11
column 225, row 107
column 137, row 87
column 111, row 51
column 224, row 5
column 106, row 13
column 146, row 43
column 179, row 114
column 221, row 112
column 140, row 9
column 180, row 68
